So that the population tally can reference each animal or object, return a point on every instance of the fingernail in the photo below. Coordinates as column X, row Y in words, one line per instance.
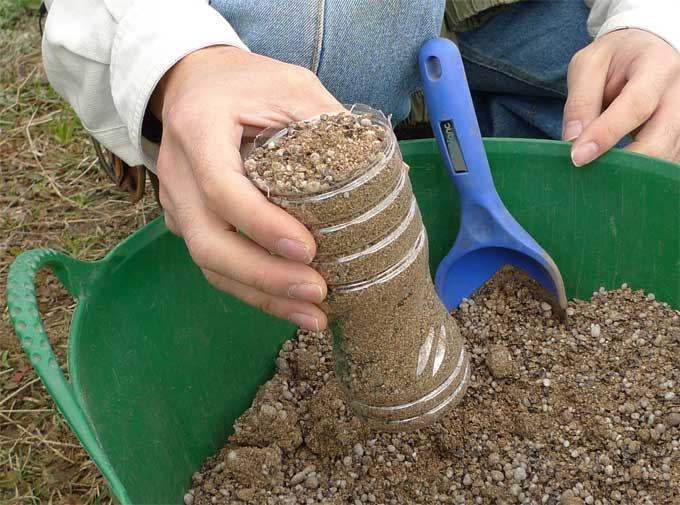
column 304, row 321
column 306, row 291
column 293, row 250
column 571, row 130
column 583, row 154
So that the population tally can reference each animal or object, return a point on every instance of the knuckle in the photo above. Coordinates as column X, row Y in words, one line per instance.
column 164, row 199
column 178, row 118
column 304, row 76
column 196, row 244
column 267, row 304
column 603, row 132
column 257, row 278
column 641, row 107
column 163, row 164
column 208, row 183
column 610, row 134
column 579, row 58
column 576, row 103
column 171, row 225
column 210, row 191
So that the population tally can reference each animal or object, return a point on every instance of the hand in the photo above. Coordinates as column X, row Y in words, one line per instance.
column 211, row 103
column 635, row 76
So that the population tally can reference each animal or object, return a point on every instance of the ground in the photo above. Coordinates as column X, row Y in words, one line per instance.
column 52, row 194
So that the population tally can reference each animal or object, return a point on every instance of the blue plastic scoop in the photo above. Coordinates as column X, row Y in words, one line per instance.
column 488, row 237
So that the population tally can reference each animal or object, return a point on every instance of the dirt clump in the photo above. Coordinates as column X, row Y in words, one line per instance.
column 332, row 427
column 581, row 419
column 500, row 362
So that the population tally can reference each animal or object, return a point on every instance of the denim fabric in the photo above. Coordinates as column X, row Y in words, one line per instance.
column 516, row 65
column 516, row 62
column 363, row 52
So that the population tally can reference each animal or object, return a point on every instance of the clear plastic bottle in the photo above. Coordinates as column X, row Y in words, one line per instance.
column 399, row 354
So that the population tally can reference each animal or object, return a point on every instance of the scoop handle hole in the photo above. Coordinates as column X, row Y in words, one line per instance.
column 434, row 68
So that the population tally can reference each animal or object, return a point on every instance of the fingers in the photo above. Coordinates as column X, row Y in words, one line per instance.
column 305, row 315
column 254, row 124
column 324, row 105
column 660, row 136
column 238, row 258
column 215, row 247
column 307, row 98
column 232, row 196
column 288, row 299
column 586, row 84
column 255, row 121
column 213, row 100
column 227, row 192
column 171, row 224
column 636, row 103
column 311, row 97
column 211, row 135
column 631, row 72
column 271, row 283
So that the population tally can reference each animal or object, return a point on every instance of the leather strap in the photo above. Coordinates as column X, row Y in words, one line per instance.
column 131, row 179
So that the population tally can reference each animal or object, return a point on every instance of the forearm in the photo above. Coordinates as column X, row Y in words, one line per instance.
column 106, row 60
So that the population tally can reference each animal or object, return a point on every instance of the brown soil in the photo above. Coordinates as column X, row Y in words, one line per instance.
column 384, row 331
column 376, row 258
column 329, row 170
column 317, row 155
column 583, row 414
column 368, row 228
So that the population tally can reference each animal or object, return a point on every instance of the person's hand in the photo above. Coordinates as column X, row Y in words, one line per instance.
column 635, row 77
column 211, row 103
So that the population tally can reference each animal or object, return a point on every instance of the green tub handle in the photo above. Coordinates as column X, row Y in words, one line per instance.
column 28, row 325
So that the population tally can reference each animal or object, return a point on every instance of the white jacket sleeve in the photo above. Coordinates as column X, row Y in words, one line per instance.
column 660, row 17
column 105, row 58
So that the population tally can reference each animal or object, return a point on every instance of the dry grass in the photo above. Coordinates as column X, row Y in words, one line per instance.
column 52, row 194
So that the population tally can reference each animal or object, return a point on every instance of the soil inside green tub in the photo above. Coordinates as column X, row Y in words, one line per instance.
column 583, row 414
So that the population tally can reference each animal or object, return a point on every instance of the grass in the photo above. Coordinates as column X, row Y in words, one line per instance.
column 12, row 10
column 52, row 194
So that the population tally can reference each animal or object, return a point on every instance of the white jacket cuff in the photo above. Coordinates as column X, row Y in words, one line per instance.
column 662, row 21
column 151, row 37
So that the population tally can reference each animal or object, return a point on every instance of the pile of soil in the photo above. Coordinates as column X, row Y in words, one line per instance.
column 581, row 414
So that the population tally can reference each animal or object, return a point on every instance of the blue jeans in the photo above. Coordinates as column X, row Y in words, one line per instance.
column 366, row 52
column 363, row 51
column 516, row 65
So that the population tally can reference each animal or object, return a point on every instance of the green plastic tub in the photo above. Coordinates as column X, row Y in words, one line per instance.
column 161, row 363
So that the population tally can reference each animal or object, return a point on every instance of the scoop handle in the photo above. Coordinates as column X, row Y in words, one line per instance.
column 453, row 117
